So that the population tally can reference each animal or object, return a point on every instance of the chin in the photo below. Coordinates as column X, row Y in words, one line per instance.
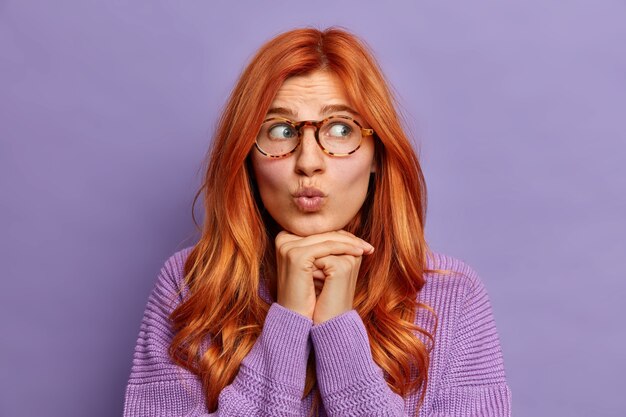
column 308, row 231
column 305, row 229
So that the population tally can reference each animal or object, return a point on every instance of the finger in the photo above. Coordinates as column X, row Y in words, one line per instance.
column 345, row 232
column 285, row 237
column 369, row 248
column 341, row 236
column 326, row 248
column 318, row 274
column 366, row 245
column 336, row 263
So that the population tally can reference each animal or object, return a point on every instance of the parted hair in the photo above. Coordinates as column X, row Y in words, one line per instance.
column 221, row 317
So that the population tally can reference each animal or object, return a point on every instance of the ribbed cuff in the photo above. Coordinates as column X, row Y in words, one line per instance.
column 176, row 398
column 342, row 353
column 280, row 353
column 490, row 400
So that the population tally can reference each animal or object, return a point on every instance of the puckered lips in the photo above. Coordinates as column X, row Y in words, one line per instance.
column 309, row 199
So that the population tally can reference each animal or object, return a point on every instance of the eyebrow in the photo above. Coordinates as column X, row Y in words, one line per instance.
column 325, row 110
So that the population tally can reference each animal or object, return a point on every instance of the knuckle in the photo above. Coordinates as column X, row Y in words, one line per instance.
column 329, row 242
column 291, row 253
column 283, row 250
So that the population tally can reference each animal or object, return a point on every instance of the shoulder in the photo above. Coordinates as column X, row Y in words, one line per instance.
column 447, row 274
column 170, row 287
column 175, row 264
column 453, row 289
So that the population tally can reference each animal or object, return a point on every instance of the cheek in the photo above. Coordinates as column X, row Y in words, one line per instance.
column 270, row 176
column 351, row 190
column 354, row 177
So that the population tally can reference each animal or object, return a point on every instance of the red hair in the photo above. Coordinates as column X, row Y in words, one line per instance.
column 236, row 248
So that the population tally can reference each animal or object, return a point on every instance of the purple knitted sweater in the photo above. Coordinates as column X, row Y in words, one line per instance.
column 466, row 374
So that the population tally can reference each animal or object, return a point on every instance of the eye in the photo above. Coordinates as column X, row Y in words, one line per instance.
column 282, row 131
column 339, row 130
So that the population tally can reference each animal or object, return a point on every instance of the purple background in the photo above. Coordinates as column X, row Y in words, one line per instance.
column 107, row 109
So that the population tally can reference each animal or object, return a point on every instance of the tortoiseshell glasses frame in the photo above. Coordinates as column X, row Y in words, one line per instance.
column 317, row 124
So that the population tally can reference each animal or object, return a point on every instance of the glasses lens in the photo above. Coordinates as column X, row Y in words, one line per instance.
column 277, row 137
column 340, row 136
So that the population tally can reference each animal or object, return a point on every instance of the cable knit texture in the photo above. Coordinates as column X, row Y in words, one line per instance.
column 466, row 374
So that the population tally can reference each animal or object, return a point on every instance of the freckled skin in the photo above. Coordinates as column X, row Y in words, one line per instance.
column 343, row 179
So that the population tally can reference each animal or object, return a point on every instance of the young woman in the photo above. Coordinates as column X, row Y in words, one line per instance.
column 312, row 290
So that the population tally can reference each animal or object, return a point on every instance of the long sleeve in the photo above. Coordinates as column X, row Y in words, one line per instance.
column 350, row 382
column 467, row 378
column 473, row 382
column 271, row 377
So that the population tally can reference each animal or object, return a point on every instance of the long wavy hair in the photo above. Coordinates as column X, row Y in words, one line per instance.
column 235, row 254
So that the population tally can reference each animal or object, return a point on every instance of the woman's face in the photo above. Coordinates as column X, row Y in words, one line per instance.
column 310, row 192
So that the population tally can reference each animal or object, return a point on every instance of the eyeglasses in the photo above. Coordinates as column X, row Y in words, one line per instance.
column 335, row 135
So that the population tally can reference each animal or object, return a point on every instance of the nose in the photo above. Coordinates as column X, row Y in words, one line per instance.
column 309, row 157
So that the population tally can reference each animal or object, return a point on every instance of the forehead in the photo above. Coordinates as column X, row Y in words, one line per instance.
column 310, row 93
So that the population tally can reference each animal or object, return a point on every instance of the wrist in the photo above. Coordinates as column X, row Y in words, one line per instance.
column 322, row 315
column 308, row 313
